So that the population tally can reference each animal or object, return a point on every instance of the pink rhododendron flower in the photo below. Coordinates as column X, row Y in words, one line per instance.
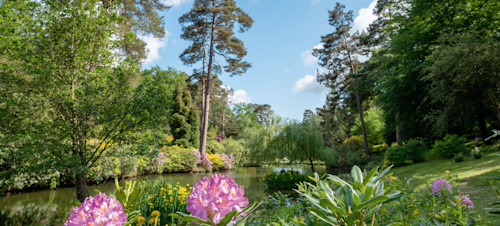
column 216, row 197
column 466, row 201
column 98, row 210
column 440, row 184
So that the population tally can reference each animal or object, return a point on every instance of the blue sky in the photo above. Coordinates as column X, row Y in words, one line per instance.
column 278, row 44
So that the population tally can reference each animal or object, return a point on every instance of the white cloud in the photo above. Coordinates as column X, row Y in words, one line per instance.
column 239, row 96
column 365, row 17
column 153, row 46
column 176, row 2
column 307, row 57
column 315, row 1
column 308, row 84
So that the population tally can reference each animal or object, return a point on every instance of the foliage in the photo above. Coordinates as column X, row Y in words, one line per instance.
column 353, row 202
column 452, row 145
column 280, row 209
column 132, row 196
column 234, row 147
column 411, row 152
column 178, row 159
column 165, row 198
column 301, row 141
column 375, row 126
column 185, row 120
column 217, row 161
column 350, row 152
column 494, row 207
column 32, row 214
column 284, row 180
column 444, row 206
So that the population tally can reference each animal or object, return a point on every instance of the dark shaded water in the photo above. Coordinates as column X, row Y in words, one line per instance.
column 62, row 199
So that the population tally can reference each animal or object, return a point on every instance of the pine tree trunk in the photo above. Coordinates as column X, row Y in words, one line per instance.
column 358, row 102
column 223, row 122
column 360, row 110
column 206, row 110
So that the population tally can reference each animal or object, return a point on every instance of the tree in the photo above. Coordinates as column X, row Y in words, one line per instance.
column 185, row 120
column 338, row 57
column 74, row 79
column 301, row 141
column 139, row 18
column 466, row 88
column 209, row 26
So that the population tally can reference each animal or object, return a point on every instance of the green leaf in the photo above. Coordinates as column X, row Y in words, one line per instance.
column 322, row 216
column 120, row 195
column 368, row 194
column 352, row 218
column 373, row 201
column 228, row 218
column 134, row 195
column 348, row 196
column 370, row 175
column 356, row 174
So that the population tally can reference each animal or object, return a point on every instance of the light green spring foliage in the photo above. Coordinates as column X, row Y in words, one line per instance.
column 375, row 126
column 352, row 202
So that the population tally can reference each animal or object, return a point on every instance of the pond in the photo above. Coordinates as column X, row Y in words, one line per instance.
column 62, row 199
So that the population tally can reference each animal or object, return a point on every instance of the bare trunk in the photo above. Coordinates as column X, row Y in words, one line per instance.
column 202, row 116
column 206, row 110
column 398, row 131
column 498, row 113
column 358, row 102
column 223, row 122
column 360, row 110
column 482, row 125
column 312, row 164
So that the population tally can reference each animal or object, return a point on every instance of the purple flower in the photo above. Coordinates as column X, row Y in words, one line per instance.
column 216, row 197
column 440, row 184
column 98, row 210
column 57, row 172
column 292, row 202
column 466, row 201
column 202, row 159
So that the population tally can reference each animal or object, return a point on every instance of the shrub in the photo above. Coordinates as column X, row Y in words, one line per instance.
column 106, row 167
column 215, row 146
column 412, row 152
column 32, row 214
column 284, row 180
column 178, row 159
column 353, row 202
column 217, row 161
column 351, row 152
column 450, row 146
column 279, row 209
column 234, row 147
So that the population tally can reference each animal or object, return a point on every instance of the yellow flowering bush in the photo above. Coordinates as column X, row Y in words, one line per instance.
column 217, row 161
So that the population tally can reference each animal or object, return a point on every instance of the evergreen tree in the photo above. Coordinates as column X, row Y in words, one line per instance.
column 338, row 57
column 185, row 119
column 209, row 26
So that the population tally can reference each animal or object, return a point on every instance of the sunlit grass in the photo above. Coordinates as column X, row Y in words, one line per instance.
column 471, row 176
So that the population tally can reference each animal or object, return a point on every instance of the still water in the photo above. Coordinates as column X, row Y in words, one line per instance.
column 62, row 199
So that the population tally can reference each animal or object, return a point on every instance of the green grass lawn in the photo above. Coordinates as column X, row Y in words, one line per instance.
column 470, row 176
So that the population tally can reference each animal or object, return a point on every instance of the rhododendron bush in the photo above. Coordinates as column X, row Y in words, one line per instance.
column 216, row 201
column 98, row 210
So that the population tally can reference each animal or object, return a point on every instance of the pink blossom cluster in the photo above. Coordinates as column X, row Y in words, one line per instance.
column 98, row 210
column 220, row 138
column 440, row 184
column 202, row 160
column 216, row 197
column 228, row 160
column 466, row 201
column 158, row 161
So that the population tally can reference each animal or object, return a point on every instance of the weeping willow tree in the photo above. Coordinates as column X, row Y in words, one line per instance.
column 301, row 140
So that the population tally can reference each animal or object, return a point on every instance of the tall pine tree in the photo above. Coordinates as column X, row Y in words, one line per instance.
column 209, row 25
column 338, row 56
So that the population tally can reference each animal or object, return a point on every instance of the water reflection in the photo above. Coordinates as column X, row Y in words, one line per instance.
column 65, row 198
